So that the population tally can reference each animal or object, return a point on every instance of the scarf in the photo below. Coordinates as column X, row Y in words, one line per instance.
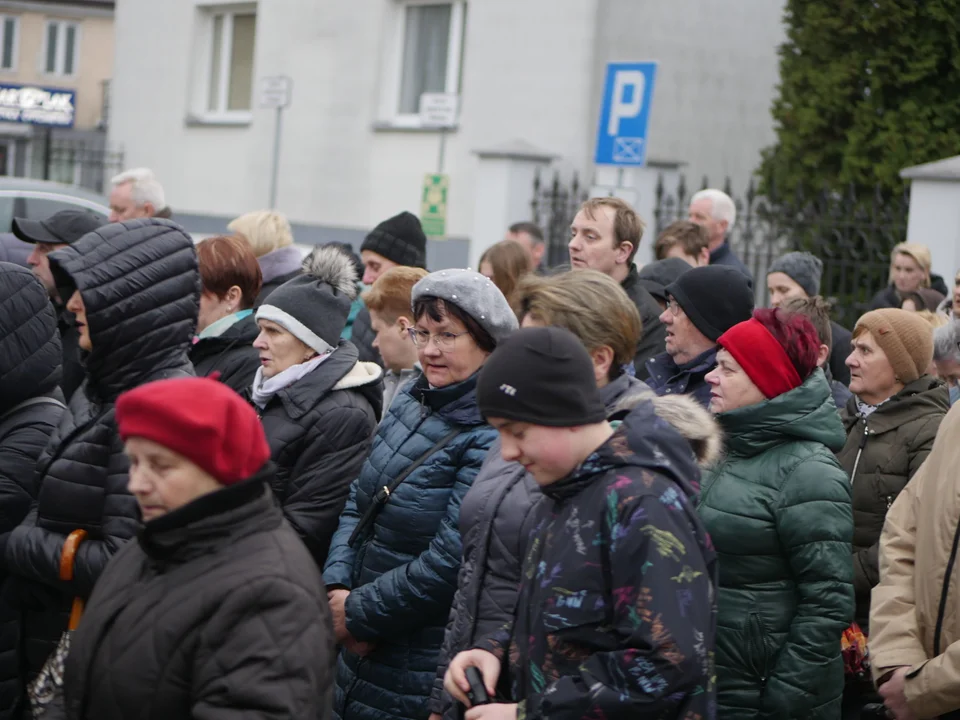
column 865, row 411
column 264, row 390
column 218, row 328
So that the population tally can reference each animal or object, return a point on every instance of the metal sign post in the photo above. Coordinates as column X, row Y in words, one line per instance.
column 276, row 93
column 439, row 111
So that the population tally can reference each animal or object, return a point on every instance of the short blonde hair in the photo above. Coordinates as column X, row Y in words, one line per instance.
column 391, row 295
column 589, row 304
column 265, row 230
column 919, row 253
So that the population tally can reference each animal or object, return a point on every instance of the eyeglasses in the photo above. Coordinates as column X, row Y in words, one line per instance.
column 446, row 341
column 674, row 307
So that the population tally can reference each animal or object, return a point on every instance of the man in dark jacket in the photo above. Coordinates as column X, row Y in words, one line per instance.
column 616, row 616
column 818, row 312
column 605, row 236
column 703, row 304
column 716, row 211
column 30, row 410
column 399, row 240
column 58, row 231
column 135, row 289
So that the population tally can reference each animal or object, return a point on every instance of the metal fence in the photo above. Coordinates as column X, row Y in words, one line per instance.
column 851, row 232
column 554, row 206
column 75, row 162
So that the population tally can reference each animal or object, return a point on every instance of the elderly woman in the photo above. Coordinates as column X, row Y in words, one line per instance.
column 495, row 513
column 217, row 608
column 319, row 404
column 271, row 239
column 135, row 290
column 393, row 565
column 777, row 507
column 946, row 357
column 909, row 271
column 231, row 281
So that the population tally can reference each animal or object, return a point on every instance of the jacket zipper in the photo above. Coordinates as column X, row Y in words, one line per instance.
column 863, row 444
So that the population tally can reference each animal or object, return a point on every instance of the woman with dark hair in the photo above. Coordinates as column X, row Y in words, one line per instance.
column 392, row 569
column 226, row 329
column 506, row 263
column 777, row 507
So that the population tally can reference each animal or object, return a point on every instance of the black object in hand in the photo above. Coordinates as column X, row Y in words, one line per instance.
column 478, row 693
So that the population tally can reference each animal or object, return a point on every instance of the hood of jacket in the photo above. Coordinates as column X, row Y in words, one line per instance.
column 30, row 352
column 280, row 262
column 804, row 413
column 340, row 371
column 141, row 293
column 924, row 396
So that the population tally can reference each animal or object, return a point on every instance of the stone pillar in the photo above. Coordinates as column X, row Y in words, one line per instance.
column 504, row 191
column 934, row 218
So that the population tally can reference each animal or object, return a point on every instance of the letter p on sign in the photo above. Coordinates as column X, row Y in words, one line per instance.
column 625, row 114
column 620, row 109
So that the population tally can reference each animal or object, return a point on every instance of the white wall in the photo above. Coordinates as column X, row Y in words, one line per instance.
column 934, row 221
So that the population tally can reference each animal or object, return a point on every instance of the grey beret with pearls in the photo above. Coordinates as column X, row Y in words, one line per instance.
column 473, row 293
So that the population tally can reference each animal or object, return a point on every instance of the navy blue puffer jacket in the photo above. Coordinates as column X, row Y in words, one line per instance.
column 402, row 573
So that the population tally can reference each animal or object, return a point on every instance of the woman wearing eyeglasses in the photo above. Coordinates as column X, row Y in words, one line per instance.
column 318, row 404
column 392, row 569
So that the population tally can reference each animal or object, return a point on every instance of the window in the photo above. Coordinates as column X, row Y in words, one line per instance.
column 431, row 42
column 230, row 84
column 60, row 53
column 8, row 42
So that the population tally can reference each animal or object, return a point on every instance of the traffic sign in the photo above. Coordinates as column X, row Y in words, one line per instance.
column 275, row 92
column 625, row 114
column 433, row 205
column 438, row 110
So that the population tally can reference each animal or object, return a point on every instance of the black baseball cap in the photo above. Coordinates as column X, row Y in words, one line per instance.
column 66, row 226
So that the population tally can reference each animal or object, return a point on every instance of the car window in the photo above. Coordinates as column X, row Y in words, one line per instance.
column 42, row 208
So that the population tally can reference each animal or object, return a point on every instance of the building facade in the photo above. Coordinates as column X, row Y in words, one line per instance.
column 352, row 150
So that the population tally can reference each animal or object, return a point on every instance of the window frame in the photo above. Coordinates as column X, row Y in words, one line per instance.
column 60, row 52
column 15, row 51
column 209, row 11
column 390, row 106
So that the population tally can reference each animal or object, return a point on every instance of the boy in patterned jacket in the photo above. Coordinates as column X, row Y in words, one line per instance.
column 617, row 613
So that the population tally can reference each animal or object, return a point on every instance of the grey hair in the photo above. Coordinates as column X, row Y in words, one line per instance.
column 946, row 342
column 722, row 206
column 144, row 187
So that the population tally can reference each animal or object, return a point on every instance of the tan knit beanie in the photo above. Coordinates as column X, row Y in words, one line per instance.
column 905, row 337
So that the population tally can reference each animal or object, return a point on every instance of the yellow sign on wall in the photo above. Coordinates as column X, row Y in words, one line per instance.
column 433, row 205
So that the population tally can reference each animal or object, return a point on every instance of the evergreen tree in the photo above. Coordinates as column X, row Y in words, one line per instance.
column 867, row 87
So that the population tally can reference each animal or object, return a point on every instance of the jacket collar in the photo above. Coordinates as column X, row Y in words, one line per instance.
column 720, row 252
column 456, row 403
column 212, row 521
column 924, row 395
column 279, row 262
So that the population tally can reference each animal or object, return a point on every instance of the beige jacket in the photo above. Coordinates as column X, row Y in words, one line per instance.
column 918, row 544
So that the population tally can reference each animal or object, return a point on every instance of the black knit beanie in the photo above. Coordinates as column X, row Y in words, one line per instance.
column 714, row 297
column 399, row 239
column 542, row 376
column 313, row 307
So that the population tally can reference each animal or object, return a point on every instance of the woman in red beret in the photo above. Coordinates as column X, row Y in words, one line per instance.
column 217, row 609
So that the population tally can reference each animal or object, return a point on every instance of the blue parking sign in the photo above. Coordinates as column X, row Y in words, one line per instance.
column 625, row 114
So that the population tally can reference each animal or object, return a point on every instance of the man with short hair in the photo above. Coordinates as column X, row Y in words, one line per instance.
column 530, row 236
column 817, row 311
column 605, row 236
column 702, row 305
column 391, row 318
column 58, row 231
column 717, row 213
column 685, row 240
column 137, row 194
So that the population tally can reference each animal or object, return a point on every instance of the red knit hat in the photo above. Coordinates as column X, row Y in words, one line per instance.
column 201, row 419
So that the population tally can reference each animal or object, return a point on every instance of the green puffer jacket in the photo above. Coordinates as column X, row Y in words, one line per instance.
column 891, row 445
column 777, row 507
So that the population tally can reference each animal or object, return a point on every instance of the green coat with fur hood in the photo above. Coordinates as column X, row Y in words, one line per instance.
column 777, row 507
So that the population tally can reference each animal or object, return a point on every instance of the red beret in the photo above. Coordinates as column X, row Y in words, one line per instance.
column 201, row 419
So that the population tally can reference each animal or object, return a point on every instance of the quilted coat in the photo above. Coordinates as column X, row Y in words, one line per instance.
column 617, row 609
column 215, row 611
column 320, row 430
column 402, row 573
column 653, row 341
column 881, row 454
column 30, row 409
column 777, row 507
column 141, row 291
column 362, row 336
column 231, row 354
column 494, row 520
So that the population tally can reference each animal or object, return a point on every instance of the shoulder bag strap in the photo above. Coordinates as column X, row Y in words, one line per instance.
column 383, row 494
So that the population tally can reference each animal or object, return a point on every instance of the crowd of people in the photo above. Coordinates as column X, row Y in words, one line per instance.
column 344, row 486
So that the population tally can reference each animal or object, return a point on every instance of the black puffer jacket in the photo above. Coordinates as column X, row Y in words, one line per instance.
column 231, row 354
column 30, row 410
column 320, row 430
column 73, row 370
column 653, row 338
column 363, row 337
column 141, row 291
column 216, row 611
